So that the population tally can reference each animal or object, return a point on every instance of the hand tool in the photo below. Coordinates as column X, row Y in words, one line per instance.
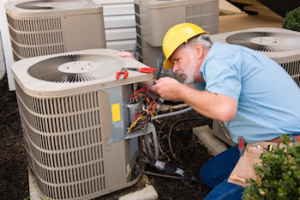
column 241, row 145
column 159, row 102
column 143, row 69
column 123, row 71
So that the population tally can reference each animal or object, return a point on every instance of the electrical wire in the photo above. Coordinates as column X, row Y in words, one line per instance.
column 148, row 146
column 170, row 132
column 158, row 136
column 147, row 108
column 155, row 141
column 160, row 130
column 162, row 175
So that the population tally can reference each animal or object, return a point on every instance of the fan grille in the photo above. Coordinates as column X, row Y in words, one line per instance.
column 205, row 15
column 293, row 68
column 264, row 41
column 76, row 68
column 64, row 144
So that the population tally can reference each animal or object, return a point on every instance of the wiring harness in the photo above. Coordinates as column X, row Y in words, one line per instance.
column 147, row 106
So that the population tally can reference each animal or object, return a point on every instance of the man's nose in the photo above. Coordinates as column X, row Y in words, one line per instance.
column 175, row 68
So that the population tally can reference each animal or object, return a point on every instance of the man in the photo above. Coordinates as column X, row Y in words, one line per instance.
column 248, row 91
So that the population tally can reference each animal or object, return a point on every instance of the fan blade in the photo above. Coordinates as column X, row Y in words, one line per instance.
column 98, row 67
column 282, row 41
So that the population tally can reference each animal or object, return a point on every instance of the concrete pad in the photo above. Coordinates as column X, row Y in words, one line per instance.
column 148, row 193
column 211, row 142
column 228, row 23
column 33, row 188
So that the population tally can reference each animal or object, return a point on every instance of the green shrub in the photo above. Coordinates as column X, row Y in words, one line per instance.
column 291, row 20
column 279, row 175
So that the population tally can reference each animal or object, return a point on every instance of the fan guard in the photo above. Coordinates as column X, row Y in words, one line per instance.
column 50, row 5
column 76, row 68
column 264, row 41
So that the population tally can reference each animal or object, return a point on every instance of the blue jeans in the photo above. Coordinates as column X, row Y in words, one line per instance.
column 216, row 172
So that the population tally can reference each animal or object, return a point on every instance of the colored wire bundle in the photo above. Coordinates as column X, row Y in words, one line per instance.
column 146, row 108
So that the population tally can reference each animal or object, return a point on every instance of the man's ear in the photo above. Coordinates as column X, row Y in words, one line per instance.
column 198, row 49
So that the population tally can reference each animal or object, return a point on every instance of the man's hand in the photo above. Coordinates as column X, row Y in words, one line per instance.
column 167, row 88
column 126, row 54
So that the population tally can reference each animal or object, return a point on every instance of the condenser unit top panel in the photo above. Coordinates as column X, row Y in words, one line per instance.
column 153, row 4
column 188, row 2
column 75, row 72
column 159, row 3
column 280, row 44
column 48, row 8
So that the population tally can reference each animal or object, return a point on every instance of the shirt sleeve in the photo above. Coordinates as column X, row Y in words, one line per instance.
column 222, row 74
column 200, row 86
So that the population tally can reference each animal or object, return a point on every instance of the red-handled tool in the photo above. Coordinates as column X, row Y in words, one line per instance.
column 241, row 145
column 123, row 71
column 143, row 69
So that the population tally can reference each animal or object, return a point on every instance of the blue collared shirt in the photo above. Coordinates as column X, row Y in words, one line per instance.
column 268, row 98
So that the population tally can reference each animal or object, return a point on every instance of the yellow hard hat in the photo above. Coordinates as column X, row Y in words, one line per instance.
column 176, row 36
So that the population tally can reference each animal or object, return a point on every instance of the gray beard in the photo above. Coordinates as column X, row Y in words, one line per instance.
column 189, row 72
column 189, row 80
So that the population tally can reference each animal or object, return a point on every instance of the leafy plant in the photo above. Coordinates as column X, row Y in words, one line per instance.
column 291, row 20
column 279, row 175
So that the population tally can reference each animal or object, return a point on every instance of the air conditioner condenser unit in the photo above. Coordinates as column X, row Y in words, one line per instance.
column 75, row 115
column 40, row 28
column 155, row 17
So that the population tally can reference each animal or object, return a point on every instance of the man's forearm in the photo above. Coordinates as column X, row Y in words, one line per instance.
column 215, row 106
